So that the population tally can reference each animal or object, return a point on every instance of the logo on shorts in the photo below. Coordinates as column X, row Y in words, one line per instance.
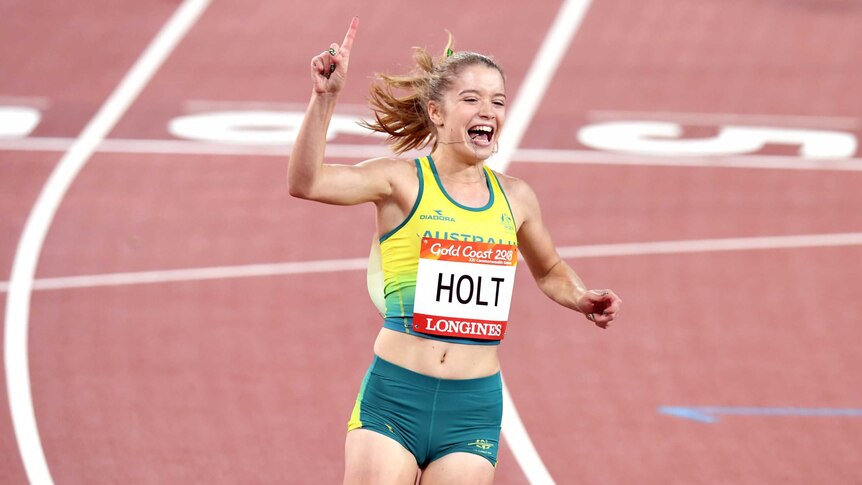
column 482, row 445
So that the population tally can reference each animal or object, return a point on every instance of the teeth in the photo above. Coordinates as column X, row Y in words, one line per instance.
column 485, row 129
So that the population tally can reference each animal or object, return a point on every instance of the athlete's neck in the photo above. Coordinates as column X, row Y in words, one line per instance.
column 453, row 168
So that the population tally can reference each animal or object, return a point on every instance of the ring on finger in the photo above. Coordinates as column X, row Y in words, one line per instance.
column 591, row 317
column 332, row 51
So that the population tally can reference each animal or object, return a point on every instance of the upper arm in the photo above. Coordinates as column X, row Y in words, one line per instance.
column 553, row 276
column 534, row 240
column 369, row 181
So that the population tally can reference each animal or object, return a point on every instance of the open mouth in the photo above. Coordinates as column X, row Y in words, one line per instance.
column 481, row 134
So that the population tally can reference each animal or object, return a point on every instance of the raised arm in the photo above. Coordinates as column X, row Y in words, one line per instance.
column 307, row 176
column 553, row 275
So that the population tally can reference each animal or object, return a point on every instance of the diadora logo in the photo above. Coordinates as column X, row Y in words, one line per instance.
column 483, row 445
column 507, row 222
column 437, row 216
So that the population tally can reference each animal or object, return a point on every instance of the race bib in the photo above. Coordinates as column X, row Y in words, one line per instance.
column 464, row 289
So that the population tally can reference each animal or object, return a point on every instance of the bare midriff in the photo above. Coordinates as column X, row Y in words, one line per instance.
column 434, row 358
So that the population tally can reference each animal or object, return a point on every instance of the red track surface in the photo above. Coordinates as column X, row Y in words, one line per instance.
column 216, row 381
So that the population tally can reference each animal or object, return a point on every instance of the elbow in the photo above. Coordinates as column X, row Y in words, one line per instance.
column 301, row 182
column 293, row 189
column 298, row 180
column 300, row 191
column 299, row 186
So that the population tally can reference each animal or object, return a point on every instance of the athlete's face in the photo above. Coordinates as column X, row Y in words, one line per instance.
column 472, row 112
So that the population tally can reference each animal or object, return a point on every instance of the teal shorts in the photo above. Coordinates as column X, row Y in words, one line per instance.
column 430, row 417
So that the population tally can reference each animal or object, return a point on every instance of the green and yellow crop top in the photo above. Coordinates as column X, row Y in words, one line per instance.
column 448, row 269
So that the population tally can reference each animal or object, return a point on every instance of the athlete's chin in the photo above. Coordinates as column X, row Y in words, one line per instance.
column 471, row 152
column 483, row 153
column 478, row 157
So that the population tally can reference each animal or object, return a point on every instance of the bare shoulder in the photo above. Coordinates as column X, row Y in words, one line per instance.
column 513, row 186
column 517, row 190
column 399, row 174
column 388, row 162
column 521, row 196
column 393, row 167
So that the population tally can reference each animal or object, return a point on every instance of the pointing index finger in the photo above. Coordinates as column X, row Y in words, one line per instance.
column 347, row 45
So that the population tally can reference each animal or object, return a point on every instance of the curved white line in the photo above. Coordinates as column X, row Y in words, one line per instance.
column 39, row 221
column 351, row 264
column 538, row 78
column 545, row 63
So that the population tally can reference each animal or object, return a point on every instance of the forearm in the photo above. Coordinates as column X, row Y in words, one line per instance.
column 553, row 276
column 563, row 285
column 306, row 156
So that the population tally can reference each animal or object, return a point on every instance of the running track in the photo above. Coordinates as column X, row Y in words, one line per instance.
column 184, row 354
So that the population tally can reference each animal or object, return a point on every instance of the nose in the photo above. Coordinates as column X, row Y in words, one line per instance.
column 486, row 111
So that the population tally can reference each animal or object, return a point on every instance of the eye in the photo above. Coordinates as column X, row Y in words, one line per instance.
column 471, row 100
column 500, row 103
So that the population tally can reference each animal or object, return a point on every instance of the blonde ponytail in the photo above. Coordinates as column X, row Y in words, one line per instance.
column 400, row 102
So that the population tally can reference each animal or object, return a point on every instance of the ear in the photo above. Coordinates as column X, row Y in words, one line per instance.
column 435, row 112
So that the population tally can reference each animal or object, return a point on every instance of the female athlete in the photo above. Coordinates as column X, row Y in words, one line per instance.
column 450, row 233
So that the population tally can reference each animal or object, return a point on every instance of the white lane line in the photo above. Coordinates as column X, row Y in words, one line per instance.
column 537, row 80
column 199, row 274
column 39, row 221
column 519, row 441
column 360, row 264
column 187, row 147
column 530, row 95
column 592, row 157
column 715, row 119
column 204, row 106
column 365, row 151
column 713, row 245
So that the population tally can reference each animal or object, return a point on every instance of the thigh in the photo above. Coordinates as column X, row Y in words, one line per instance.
column 372, row 458
column 458, row 468
column 468, row 422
